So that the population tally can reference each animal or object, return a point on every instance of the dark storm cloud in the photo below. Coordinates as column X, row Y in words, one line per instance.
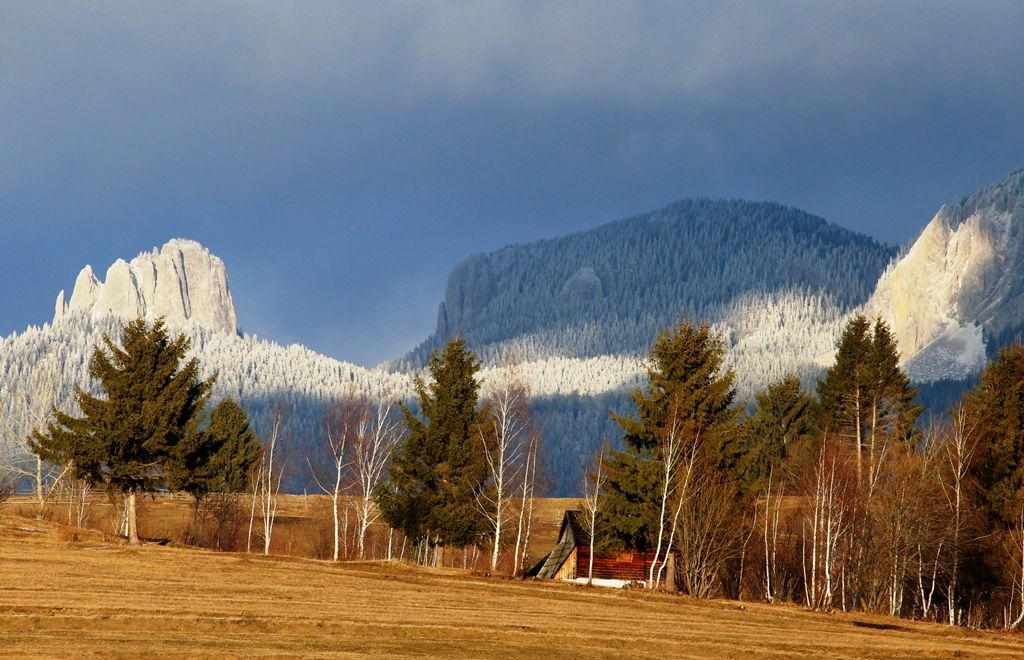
column 341, row 157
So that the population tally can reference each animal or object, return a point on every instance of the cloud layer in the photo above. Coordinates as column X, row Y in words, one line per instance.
column 341, row 157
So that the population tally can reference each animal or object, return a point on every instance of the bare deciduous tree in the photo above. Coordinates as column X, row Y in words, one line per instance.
column 6, row 488
column 31, row 410
column 505, row 440
column 267, row 484
column 378, row 436
column 708, row 534
column 342, row 425
column 958, row 449
column 527, row 492
column 678, row 452
column 593, row 496
column 825, row 531
column 771, row 536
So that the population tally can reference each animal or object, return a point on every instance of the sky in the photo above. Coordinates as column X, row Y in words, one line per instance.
column 341, row 157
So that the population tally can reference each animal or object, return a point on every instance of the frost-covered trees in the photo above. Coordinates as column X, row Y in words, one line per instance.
column 30, row 407
column 611, row 289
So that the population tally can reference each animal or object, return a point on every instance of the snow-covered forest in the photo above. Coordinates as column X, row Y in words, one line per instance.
column 610, row 290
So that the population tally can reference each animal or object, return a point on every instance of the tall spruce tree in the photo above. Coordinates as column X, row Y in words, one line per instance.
column 865, row 396
column 781, row 429
column 218, row 458
column 995, row 410
column 437, row 470
column 685, row 370
column 128, row 439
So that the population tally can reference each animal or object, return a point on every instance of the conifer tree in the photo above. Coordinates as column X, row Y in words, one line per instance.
column 865, row 396
column 439, row 466
column 781, row 428
column 685, row 372
column 128, row 439
column 995, row 410
column 219, row 457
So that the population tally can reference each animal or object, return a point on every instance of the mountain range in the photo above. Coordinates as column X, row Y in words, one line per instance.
column 574, row 315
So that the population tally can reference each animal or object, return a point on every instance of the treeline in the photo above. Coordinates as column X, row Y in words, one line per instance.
column 837, row 500
column 840, row 499
column 452, row 471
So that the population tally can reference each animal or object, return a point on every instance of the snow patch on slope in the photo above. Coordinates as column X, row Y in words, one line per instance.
column 957, row 353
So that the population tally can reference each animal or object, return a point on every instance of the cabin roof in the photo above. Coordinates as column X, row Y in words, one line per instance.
column 571, row 535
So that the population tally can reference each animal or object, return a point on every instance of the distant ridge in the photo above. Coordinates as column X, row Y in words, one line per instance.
column 609, row 290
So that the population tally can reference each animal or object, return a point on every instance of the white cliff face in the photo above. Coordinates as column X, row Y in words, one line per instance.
column 85, row 292
column 182, row 282
column 963, row 273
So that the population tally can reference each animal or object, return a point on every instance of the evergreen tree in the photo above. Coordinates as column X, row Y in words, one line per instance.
column 436, row 471
column 995, row 410
column 780, row 431
column 842, row 391
column 865, row 396
column 686, row 372
column 218, row 458
column 128, row 440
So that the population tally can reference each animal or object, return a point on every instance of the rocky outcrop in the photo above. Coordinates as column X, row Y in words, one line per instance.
column 582, row 287
column 181, row 282
column 965, row 270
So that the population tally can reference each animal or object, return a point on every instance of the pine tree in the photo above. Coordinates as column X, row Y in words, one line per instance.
column 780, row 430
column 128, row 440
column 995, row 410
column 865, row 396
column 436, row 471
column 685, row 372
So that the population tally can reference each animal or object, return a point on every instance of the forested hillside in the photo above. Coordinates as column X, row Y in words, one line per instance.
column 611, row 289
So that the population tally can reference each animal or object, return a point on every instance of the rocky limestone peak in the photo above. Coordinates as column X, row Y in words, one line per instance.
column 83, row 296
column 181, row 281
column 964, row 269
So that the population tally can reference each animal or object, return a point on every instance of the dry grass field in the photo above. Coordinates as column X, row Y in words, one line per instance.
column 303, row 526
column 72, row 594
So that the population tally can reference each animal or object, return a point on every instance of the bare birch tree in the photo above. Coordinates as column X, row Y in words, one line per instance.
column 504, row 439
column 825, row 532
column 593, row 496
column 527, row 492
column 378, row 435
column 958, row 449
column 267, row 484
column 771, row 535
column 678, row 452
column 342, row 424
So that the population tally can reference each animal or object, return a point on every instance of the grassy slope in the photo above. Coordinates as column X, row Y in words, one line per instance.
column 87, row 596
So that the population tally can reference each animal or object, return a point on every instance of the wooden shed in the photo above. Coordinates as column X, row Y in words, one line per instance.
column 570, row 558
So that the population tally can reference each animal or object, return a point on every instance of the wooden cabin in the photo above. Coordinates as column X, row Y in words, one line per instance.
column 570, row 558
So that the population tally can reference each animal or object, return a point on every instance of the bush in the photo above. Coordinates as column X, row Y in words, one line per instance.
column 6, row 489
